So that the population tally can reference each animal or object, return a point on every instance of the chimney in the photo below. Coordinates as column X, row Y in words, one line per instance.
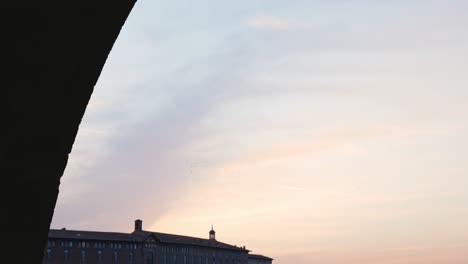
column 138, row 225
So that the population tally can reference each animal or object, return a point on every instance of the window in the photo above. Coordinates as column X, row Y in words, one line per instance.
column 66, row 243
column 130, row 257
column 99, row 244
column 116, row 245
column 83, row 255
column 116, row 256
column 66, row 254
column 49, row 254
column 99, row 256
column 50, row 243
column 149, row 258
column 130, row 245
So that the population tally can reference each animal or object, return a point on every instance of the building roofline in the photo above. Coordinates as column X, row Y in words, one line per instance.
column 257, row 256
column 190, row 240
column 140, row 237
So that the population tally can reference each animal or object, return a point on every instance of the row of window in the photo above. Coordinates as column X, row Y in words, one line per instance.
column 167, row 259
column 175, row 249
column 199, row 259
column 219, row 257
column 213, row 255
column 127, row 245
column 228, row 258
column 85, row 244
column 178, row 249
column 84, row 256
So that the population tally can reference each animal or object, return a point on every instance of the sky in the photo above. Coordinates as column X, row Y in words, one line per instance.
column 309, row 131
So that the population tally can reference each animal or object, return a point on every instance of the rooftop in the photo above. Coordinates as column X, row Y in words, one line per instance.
column 256, row 256
column 140, row 237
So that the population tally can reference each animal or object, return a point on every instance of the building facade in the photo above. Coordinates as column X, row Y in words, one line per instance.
column 139, row 247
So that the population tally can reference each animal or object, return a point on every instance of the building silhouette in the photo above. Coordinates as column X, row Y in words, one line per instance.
column 259, row 259
column 142, row 247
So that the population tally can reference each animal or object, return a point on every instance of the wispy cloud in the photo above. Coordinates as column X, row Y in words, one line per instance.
column 146, row 161
column 292, row 188
column 271, row 23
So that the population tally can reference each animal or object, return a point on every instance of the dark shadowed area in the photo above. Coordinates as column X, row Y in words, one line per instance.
column 56, row 51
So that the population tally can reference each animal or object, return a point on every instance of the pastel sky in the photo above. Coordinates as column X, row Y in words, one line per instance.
column 309, row 131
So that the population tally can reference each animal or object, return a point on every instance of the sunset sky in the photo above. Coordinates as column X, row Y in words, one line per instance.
column 310, row 131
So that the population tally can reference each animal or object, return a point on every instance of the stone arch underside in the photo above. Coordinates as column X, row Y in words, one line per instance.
column 55, row 51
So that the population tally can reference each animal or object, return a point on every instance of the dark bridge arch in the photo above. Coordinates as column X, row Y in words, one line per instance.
column 55, row 53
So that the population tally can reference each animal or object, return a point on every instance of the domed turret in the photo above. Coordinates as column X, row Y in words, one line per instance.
column 212, row 233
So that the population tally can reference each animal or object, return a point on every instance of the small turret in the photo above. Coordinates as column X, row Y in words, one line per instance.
column 212, row 233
